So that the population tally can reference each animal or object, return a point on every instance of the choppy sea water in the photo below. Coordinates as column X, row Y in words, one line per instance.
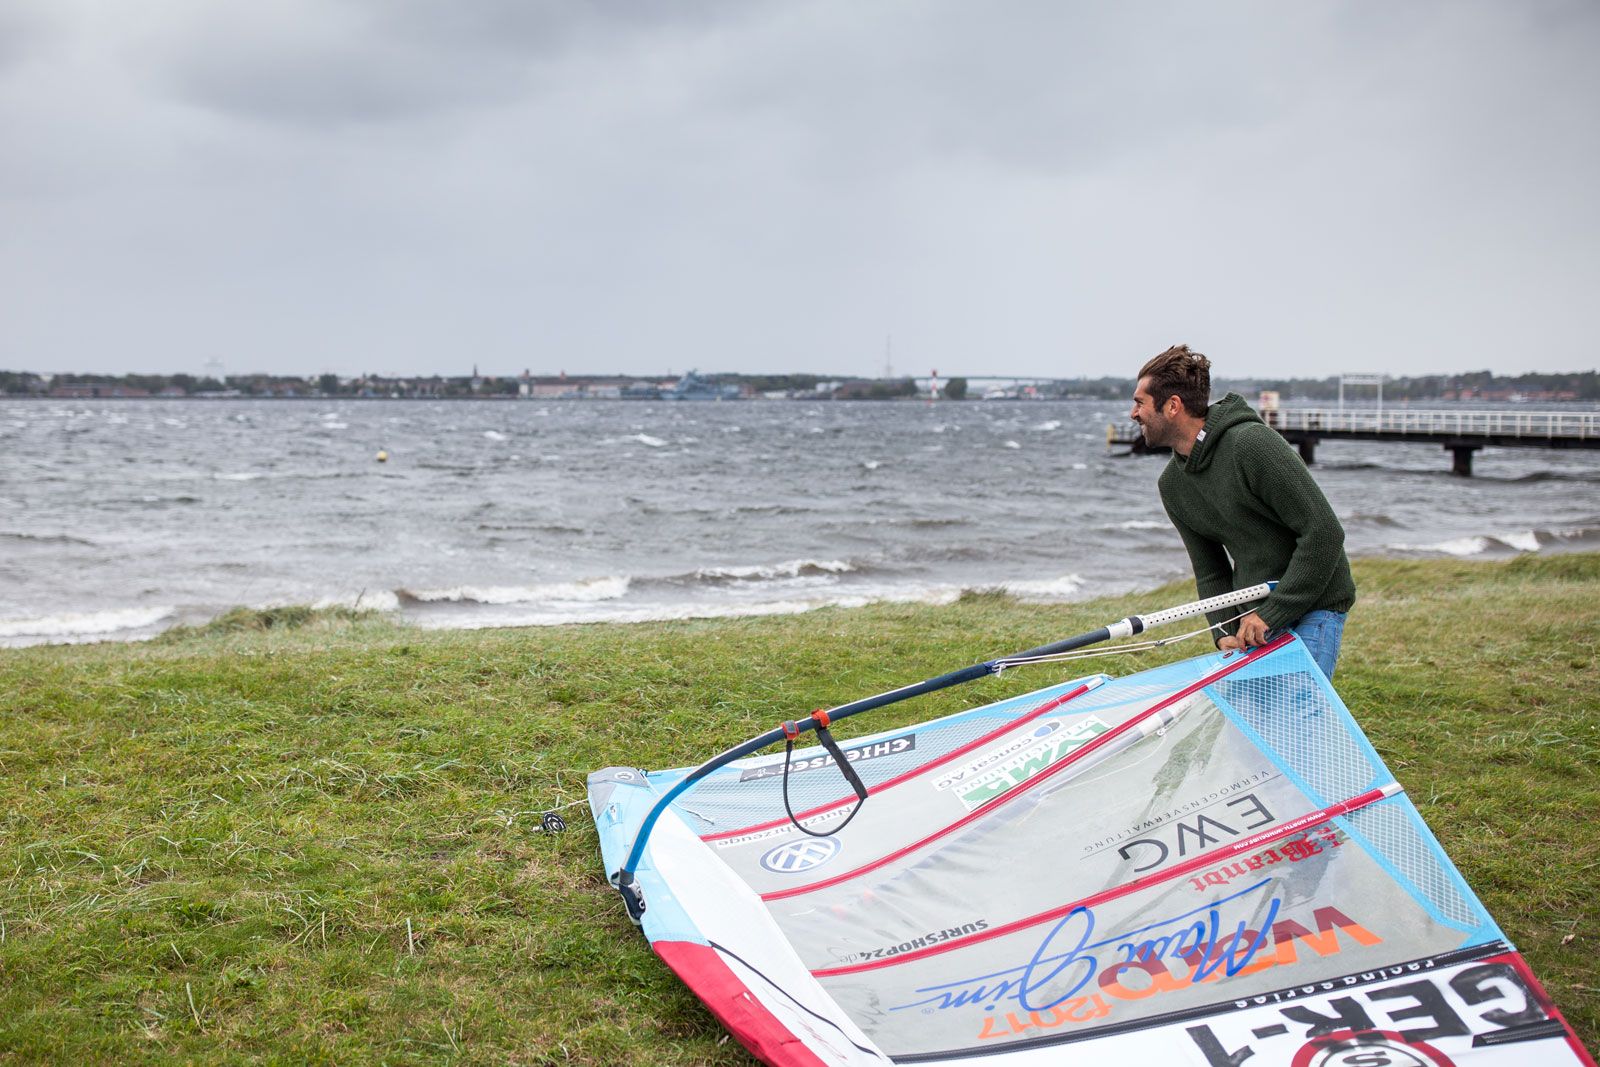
column 120, row 519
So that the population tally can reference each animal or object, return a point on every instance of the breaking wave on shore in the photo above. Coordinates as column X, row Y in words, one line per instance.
column 783, row 588
column 1579, row 539
column 74, row 628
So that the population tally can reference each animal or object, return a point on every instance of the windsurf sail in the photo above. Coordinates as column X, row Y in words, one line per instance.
column 1206, row 863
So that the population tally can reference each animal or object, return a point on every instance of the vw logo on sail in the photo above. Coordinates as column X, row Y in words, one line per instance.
column 797, row 857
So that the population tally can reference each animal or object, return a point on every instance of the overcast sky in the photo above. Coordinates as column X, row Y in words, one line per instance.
column 417, row 186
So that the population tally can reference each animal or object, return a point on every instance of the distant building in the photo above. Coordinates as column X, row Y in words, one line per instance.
column 100, row 390
column 561, row 387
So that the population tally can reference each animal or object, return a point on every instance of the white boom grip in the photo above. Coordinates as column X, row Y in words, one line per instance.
column 1137, row 624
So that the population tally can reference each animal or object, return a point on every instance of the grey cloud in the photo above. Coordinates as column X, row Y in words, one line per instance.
column 542, row 27
column 391, row 60
column 1032, row 86
column 24, row 34
column 331, row 86
column 315, row 184
column 318, row 73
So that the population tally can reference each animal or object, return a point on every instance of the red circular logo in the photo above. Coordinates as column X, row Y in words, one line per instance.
column 1368, row 1048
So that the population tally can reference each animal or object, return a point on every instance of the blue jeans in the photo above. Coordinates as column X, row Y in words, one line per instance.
column 1321, row 632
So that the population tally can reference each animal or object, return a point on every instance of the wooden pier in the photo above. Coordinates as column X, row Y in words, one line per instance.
column 1461, row 433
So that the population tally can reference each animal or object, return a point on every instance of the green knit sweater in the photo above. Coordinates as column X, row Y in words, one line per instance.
column 1244, row 493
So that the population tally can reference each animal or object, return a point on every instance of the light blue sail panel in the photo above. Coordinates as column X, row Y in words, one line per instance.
column 1206, row 863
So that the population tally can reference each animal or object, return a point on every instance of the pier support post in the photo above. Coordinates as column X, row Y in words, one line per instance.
column 1461, row 459
column 1308, row 450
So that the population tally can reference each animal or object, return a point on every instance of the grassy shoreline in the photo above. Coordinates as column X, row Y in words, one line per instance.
column 318, row 842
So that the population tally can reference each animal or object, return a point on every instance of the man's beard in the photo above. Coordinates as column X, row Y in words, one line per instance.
column 1156, row 430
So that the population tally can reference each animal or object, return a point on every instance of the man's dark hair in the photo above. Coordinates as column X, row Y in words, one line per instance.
column 1181, row 373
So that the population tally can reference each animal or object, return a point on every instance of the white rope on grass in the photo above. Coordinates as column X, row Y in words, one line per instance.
column 550, row 820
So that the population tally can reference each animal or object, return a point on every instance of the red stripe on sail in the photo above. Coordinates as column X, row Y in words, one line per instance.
column 1247, row 844
column 1091, row 747
column 738, row 1009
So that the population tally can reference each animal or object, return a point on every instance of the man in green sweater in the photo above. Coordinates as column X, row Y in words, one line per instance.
column 1246, row 507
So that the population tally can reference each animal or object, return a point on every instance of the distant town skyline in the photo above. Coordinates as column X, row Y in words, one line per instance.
column 1365, row 389
column 1024, row 188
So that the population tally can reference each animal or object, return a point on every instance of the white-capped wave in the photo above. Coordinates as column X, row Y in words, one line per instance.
column 1013, row 444
column 1515, row 541
column 242, row 476
column 1458, row 546
column 364, row 600
column 1581, row 534
column 646, row 439
column 1522, row 541
column 588, row 590
column 1144, row 524
column 871, row 464
column 1043, row 588
column 547, row 616
column 793, row 568
column 556, row 615
column 494, row 435
column 84, row 624
column 1046, row 427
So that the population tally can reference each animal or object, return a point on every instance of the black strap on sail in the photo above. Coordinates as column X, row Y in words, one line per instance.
column 791, row 730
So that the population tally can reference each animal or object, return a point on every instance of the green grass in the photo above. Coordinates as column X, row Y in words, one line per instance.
column 313, row 837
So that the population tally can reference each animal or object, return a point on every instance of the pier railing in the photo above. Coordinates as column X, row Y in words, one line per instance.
column 1461, row 432
column 1578, row 425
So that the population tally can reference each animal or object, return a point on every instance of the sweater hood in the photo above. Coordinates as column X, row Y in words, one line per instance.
column 1221, row 417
